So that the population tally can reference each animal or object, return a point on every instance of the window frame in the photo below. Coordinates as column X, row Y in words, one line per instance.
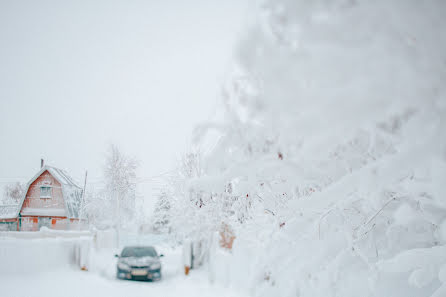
column 50, row 192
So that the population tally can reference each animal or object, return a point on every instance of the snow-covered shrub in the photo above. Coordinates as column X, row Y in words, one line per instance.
column 328, row 157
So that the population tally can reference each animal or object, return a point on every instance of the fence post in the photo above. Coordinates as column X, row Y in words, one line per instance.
column 187, row 256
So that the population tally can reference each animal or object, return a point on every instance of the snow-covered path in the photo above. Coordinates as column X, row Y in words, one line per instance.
column 76, row 283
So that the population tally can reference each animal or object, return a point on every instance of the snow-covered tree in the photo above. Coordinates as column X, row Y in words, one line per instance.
column 120, row 184
column 327, row 155
column 99, row 208
column 13, row 193
column 162, row 214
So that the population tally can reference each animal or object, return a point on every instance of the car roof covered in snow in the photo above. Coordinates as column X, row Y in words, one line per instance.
column 72, row 193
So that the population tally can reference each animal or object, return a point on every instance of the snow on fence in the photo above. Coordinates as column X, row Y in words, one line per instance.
column 24, row 252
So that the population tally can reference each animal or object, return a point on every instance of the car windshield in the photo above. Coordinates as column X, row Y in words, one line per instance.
column 138, row 252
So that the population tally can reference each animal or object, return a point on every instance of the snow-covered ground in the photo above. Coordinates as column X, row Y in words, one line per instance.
column 72, row 282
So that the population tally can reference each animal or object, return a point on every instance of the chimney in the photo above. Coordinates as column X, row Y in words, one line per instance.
column 42, row 162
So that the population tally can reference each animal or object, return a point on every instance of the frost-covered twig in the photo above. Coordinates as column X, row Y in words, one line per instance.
column 320, row 220
column 379, row 211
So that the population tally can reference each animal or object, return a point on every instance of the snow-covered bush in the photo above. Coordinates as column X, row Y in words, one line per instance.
column 328, row 157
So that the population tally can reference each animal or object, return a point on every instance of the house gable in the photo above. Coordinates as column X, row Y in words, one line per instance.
column 44, row 197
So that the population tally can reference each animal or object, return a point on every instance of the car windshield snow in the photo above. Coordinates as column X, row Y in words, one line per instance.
column 138, row 252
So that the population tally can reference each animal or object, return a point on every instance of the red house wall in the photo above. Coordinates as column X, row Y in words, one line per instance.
column 34, row 201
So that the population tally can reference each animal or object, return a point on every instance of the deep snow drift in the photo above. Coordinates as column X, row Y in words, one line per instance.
column 328, row 159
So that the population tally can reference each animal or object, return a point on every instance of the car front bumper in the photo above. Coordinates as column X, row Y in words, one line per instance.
column 139, row 274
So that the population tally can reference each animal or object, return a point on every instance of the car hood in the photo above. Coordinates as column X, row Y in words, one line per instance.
column 139, row 261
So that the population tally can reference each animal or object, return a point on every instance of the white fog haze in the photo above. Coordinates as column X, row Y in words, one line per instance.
column 76, row 76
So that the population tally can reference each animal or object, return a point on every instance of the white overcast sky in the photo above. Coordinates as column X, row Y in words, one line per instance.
column 78, row 75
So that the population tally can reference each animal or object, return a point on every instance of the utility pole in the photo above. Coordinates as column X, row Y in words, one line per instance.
column 118, row 223
column 82, row 201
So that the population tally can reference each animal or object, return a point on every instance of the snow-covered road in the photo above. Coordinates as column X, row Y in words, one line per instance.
column 76, row 283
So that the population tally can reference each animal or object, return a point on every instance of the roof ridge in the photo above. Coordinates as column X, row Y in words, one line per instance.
column 70, row 181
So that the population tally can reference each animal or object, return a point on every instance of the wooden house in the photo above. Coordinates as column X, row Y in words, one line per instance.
column 52, row 199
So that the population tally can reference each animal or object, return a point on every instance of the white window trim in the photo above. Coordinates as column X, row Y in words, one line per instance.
column 46, row 196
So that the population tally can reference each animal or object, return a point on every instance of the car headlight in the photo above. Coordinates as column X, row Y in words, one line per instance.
column 123, row 266
column 155, row 266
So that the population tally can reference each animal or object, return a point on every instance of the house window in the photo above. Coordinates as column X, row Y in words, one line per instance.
column 45, row 192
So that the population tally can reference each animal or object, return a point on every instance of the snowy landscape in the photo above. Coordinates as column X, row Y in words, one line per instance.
column 319, row 171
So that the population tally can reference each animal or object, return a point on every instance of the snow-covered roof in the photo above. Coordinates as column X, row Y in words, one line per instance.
column 59, row 212
column 72, row 193
column 8, row 211
column 62, row 176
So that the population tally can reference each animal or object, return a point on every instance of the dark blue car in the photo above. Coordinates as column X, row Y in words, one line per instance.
column 139, row 263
